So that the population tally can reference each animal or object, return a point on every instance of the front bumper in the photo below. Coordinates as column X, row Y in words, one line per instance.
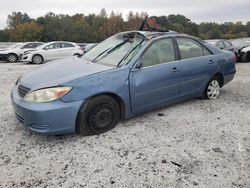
column 26, row 57
column 52, row 118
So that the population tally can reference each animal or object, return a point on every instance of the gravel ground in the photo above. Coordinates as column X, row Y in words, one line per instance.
column 190, row 144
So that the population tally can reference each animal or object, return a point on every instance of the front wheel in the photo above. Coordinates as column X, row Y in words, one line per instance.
column 101, row 114
column 212, row 90
column 37, row 59
column 11, row 58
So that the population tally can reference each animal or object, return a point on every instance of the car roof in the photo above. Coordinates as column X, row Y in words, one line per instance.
column 61, row 42
column 151, row 34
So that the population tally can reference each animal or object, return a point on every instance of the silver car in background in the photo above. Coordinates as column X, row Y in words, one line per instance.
column 13, row 53
column 52, row 51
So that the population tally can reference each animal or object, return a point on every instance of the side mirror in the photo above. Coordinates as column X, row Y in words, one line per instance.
column 138, row 65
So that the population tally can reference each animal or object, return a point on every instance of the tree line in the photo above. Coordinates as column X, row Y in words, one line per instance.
column 96, row 27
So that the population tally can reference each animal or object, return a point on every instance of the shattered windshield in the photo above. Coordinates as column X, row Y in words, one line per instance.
column 117, row 50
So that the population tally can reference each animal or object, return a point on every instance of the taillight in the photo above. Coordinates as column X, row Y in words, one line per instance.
column 235, row 58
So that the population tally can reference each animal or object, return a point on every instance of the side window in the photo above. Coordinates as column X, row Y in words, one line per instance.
column 29, row 45
column 220, row 45
column 53, row 46
column 227, row 44
column 66, row 45
column 190, row 48
column 37, row 44
column 161, row 51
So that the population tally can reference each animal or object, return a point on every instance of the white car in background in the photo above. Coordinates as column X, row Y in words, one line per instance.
column 12, row 54
column 52, row 51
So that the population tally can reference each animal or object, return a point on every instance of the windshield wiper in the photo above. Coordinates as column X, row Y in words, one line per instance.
column 100, row 54
column 129, row 52
column 109, row 50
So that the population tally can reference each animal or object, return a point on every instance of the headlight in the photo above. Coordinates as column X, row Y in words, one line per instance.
column 47, row 95
column 27, row 52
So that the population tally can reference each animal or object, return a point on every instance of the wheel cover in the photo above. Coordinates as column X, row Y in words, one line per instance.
column 101, row 118
column 12, row 58
column 37, row 59
column 213, row 89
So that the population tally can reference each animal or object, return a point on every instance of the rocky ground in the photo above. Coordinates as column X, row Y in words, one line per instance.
column 191, row 144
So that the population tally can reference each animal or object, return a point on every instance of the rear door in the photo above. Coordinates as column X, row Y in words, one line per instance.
column 67, row 49
column 197, row 65
column 156, row 82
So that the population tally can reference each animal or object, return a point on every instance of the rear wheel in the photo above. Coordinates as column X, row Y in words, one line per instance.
column 11, row 58
column 212, row 90
column 37, row 59
column 101, row 114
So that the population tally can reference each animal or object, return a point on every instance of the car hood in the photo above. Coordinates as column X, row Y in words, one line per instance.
column 59, row 72
column 3, row 49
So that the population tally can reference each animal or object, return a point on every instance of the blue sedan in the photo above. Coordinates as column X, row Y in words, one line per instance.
column 125, row 75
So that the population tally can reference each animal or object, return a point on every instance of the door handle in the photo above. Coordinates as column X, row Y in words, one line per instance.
column 175, row 69
column 211, row 61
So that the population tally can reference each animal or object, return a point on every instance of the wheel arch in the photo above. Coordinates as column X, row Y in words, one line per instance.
column 11, row 53
column 117, row 98
column 39, row 55
column 220, row 77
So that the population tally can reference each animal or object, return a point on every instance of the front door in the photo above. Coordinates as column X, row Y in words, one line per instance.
column 52, row 51
column 156, row 82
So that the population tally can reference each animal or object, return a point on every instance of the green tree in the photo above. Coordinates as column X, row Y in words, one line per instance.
column 17, row 18
column 26, row 32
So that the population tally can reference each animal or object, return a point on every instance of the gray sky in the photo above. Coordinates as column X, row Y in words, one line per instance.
column 197, row 10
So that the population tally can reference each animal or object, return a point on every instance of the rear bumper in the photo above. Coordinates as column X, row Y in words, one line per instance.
column 51, row 118
column 2, row 57
column 229, row 77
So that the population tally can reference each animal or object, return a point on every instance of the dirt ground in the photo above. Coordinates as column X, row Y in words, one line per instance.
column 191, row 144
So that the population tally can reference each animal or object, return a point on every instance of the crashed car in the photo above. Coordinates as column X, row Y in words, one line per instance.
column 13, row 53
column 243, row 46
column 125, row 75
column 52, row 51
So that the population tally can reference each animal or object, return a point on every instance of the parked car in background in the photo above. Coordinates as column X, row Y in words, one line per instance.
column 82, row 45
column 243, row 46
column 12, row 54
column 223, row 44
column 125, row 75
column 89, row 46
column 51, row 51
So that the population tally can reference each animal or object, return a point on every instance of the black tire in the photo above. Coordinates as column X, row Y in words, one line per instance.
column 205, row 94
column 11, row 58
column 37, row 59
column 100, row 115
